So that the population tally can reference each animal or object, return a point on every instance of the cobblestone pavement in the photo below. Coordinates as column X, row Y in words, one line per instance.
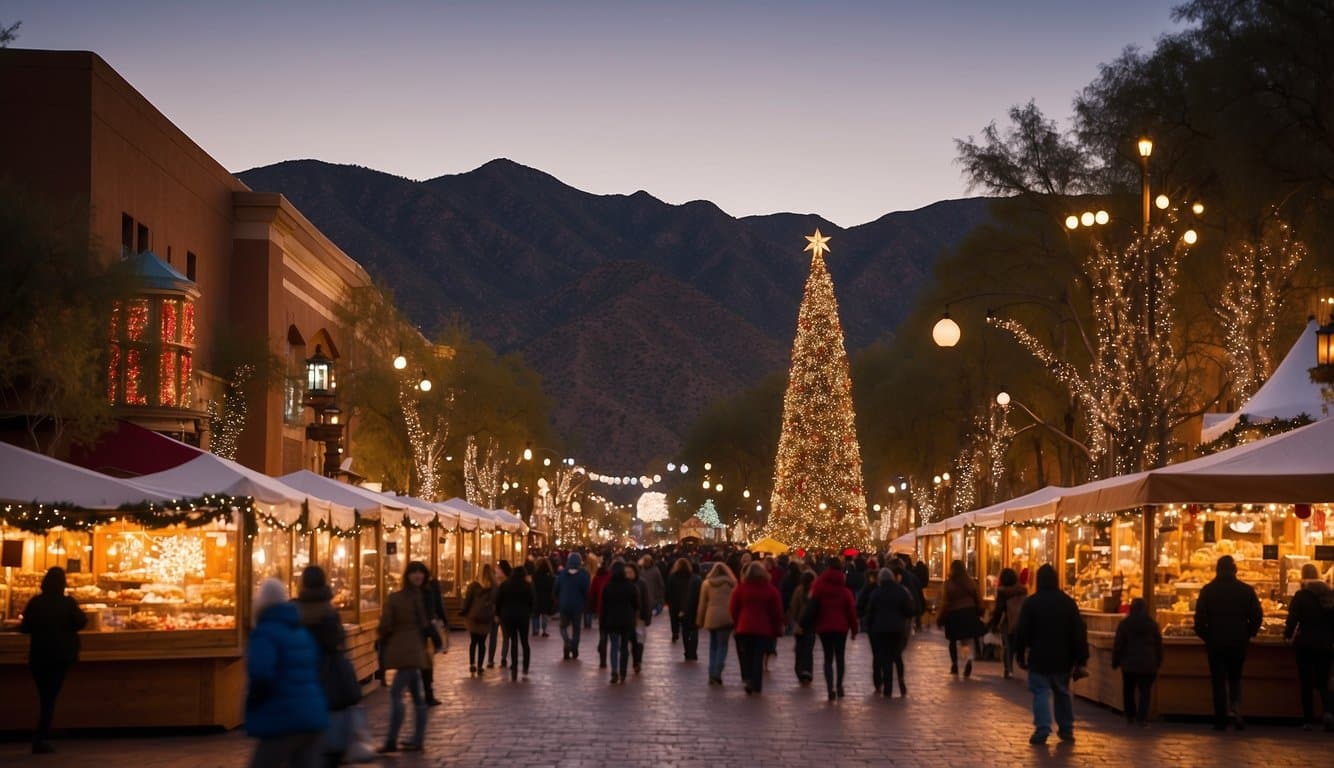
column 566, row 714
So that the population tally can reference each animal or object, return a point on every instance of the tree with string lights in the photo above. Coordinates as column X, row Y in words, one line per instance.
column 426, row 437
column 1129, row 376
column 227, row 419
column 483, row 470
column 818, row 500
column 1258, row 284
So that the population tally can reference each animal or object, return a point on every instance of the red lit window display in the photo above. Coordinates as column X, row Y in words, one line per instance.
column 188, row 324
column 137, row 320
column 169, row 326
column 167, row 382
column 150, row 360
column 134, row 377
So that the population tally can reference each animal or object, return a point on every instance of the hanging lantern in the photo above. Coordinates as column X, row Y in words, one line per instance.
column 1301, row 511
column 319, row 373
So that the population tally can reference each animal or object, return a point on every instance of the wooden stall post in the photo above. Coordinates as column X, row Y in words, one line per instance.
column 1149, row 549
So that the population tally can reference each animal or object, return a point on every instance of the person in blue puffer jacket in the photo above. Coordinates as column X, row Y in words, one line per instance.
column 285, row 705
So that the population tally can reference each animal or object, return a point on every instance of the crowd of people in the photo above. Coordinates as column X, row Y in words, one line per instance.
column 302, row 687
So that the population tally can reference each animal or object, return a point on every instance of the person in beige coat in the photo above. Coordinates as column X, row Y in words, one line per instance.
column 402, row 632
column 714, row 615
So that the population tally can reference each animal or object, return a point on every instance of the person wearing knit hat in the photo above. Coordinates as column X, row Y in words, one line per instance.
column 285, row 707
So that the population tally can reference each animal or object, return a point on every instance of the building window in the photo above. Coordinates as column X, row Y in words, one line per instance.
column 126, row 235
column 294, row 406
column 143, row 239
column 152, row 351
column 190, row 265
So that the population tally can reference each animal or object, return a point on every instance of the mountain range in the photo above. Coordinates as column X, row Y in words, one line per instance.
column 637, row 313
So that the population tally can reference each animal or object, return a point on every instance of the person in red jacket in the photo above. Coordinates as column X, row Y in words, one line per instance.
column 836, row 615
column 601, row 571
column 757, row 614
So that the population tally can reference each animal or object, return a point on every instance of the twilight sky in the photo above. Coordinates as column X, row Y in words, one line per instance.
column 848, row 109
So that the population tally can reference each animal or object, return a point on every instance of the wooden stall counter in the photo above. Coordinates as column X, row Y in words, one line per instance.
column 134, row 679
column 1269, row 682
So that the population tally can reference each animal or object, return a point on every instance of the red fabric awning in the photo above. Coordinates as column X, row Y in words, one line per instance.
column 129, row 450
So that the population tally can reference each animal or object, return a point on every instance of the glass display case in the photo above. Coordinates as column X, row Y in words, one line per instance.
column 487, row 554
column 126, row 577
column 1031, row 547
column 337, row 555
column 935, row 550
column 301, row 558
column 446, row 556
column 1263, row 541
column 956, row 538
column 418, row 546
column 469, row 557
column 271, row 555
column 394, row 557
column 368, row 582
column 993, row 556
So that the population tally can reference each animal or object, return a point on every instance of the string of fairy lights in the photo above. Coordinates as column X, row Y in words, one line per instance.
column 1251, row 300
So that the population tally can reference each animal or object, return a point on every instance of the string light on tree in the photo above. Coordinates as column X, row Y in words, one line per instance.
column 427, row 444
column 482, row 472
column 226, row 422
column 818, row 501
column 1258, row 283
column 1127, row 383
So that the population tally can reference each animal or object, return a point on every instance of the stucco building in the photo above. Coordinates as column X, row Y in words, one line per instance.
column 233, row 266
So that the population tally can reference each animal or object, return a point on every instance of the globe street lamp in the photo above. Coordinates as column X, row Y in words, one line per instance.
column 946, row 332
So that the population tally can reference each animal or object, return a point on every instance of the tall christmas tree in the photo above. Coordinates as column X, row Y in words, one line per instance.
column 818, row 500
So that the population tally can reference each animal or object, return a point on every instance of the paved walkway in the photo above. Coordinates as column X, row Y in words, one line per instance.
column 566, row 714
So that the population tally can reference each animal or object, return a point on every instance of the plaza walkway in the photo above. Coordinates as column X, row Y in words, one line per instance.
column 566, row 714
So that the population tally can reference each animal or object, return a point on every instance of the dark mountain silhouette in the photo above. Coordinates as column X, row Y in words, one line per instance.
column 637, row 313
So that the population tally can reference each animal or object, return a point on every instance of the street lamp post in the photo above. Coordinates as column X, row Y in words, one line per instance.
column 1145, row 147
column 322, row 397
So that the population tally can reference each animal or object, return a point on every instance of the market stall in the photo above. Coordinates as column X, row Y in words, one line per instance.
column 157, row 573
column 1158, row 535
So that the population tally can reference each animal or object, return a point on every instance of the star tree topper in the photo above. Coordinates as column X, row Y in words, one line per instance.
column 818, row 244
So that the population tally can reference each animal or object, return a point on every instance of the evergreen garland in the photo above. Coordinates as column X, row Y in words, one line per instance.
column 1245, row 431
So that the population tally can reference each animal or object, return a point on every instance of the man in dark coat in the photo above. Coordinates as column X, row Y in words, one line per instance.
column 1053, row 637
column 1310, row 627
column 689, row 629
column 52, row 621
column 923, row 575
column 434, row 601
column 1227, row 616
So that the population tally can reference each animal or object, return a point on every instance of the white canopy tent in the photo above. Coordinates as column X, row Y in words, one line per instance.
column 1287, row 394
column 470, row 516
column 512, row 521
column 208, row 473
column 367, row 503
column 1030, row 506
column 1292, row 468
column 27, row 477
column 905, row 544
